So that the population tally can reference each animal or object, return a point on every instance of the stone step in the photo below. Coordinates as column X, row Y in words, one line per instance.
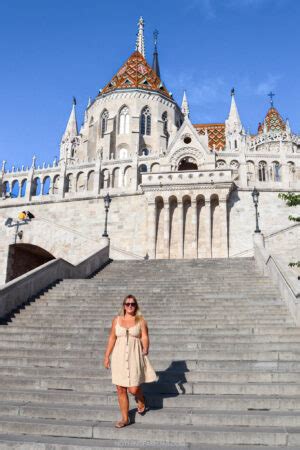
column 207, row 402
column 182, row 434
column 184, row 416
column 179, row 385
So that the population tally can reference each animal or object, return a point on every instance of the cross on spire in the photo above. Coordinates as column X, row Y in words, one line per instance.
column 271, row 95
column 155, row 38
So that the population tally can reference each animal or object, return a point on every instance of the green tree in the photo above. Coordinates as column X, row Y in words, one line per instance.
column 292, row 200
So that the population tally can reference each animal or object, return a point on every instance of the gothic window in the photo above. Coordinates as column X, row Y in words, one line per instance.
column 165, row 122
column 103, row 122
column 46, row 185
column 124, row 121
column 221, row 164
column 262, row 171
column 23, row 188
column 146, row 121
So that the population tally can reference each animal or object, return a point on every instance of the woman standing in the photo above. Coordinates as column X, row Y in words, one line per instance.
column 129, row 345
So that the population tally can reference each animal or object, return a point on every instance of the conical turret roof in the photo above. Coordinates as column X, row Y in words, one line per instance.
column 136, row 74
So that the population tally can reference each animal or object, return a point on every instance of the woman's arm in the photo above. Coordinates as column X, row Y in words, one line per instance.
column 145, row 337
column 110, row 344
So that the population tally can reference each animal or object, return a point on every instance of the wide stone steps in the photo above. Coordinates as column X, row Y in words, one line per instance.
column 225, row 349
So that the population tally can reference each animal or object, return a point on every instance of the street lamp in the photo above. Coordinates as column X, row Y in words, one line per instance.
column 255, row 195
column 107, row 201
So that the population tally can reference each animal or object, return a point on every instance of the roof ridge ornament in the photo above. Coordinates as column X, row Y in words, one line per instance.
column 140, row 41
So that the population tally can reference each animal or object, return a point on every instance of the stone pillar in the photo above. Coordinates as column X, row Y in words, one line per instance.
column 152, row 229
column 207, row 221
column 195, row 227
column 28, row 191
column 223, row 253
column 167, row 230
column 180, row 230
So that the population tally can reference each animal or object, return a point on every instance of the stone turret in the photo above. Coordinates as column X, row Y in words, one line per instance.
column 68, row 140
column 185, row 109
column 233, row 126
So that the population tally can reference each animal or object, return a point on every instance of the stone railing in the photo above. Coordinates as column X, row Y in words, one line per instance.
column 17, row 291
column 211, row 177
column 289, row 285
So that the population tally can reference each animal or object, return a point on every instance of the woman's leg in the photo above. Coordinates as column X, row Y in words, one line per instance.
column 123, row 402
column 139, row 397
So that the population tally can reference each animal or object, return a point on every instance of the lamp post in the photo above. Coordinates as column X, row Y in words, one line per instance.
column 107, row 201
column 255, row 195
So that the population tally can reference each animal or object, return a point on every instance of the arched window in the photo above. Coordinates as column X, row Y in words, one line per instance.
column 15, row 189
column 90, row 180
column 275, row 174
column 46, row 186
column 103, row 122
column 250, row 171
column 23, row 188
column 164, row 118
column 69, row 183
column 124, row 120
column 144, row 152
column 262, row 171
column 146, row 121
column 142, row 168
column 123, row 153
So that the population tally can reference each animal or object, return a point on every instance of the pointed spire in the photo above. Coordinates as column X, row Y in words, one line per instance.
column 71, row 128
column 140, row 42
column 155, row 64
column 185, row 109
column 33, row 162
column 233, row 113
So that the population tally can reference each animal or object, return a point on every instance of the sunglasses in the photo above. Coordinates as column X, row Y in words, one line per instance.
column 131, row 304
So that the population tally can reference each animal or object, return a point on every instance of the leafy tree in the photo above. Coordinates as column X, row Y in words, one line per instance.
column 292, row 200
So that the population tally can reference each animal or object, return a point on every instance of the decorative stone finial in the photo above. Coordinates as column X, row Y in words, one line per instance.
column 33, row 162
column 140, row 42
column 3, row 165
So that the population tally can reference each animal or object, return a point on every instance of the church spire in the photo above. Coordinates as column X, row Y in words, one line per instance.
column 71, row 128
column 185, row 109
column 140, row 42
column 155, row 64
column 233, row 117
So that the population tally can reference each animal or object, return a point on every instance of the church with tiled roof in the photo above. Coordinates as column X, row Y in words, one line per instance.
column 179, row 188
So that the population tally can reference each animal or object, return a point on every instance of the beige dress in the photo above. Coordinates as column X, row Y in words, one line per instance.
column 129, row 367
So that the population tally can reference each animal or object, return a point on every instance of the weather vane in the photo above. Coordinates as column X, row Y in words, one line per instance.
column 271, row 95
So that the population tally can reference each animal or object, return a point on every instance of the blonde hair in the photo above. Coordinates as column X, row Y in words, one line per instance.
column 138, row 314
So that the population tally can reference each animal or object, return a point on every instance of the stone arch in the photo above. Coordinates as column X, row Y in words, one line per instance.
column 122, row 151
column 6, row 188
column 186, row 152
column 90, row 180
column 105, row 179
column 15, row 189
column 69, row 182
column 80, row 182
column 123, row 118
column 55, row 185
column 46, row 185
column 23, row 187
column 187, row 163
column 275, row 171
column 250, row 170
column 174, row 228
column 25, row 257
column 116, row 178
column 36, row 187
column 127, row 176
column 262, row 171
column 221, row 164
column 155, row 167
column 159, row 244
column 234, row 164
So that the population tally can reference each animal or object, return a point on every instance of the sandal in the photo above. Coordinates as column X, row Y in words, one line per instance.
column 122, row 423
column 142, row 410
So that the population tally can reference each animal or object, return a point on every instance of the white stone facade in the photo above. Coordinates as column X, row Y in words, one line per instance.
column 174, row 194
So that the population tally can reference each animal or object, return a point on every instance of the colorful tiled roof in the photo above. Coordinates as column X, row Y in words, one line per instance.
column 273, row 121
column 215, row 132
column 136, row 73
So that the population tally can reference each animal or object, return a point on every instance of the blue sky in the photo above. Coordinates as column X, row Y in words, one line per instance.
column 51, row 50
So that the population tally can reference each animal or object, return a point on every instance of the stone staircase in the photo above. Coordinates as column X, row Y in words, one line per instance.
column 223, row 344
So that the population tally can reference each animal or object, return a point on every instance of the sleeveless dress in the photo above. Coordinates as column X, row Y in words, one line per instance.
column 129, row 367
